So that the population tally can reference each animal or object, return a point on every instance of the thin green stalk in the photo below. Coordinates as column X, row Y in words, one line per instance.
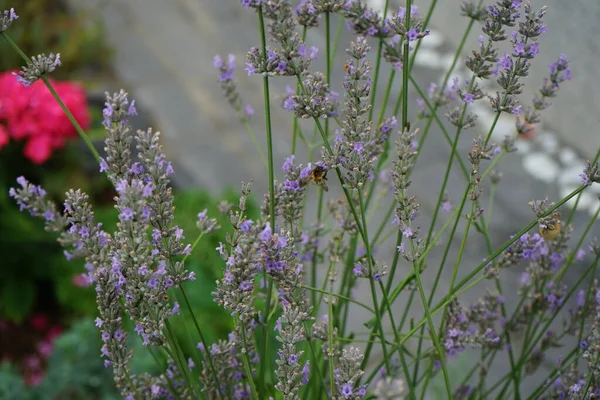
column 339, row 296
column 207, row 353
column 295, row 124
column 255, row 142
column 409, row 382
column 432, row 332
column 246, row 362
column 321, row 190
column 371, row 281
column 465, row 284
column 527, row 349
column 565, row 364
column 178, row 357
column 378, row 66
column 331, row 354
column 264, row 359
column 572, row 212
column 336, row 41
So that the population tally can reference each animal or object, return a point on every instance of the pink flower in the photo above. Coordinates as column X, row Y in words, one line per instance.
column 38, row 149
column 32, row 114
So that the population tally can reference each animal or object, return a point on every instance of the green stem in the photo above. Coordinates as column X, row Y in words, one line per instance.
column 264, row 360
column 255, row 142
column 202, row 339
column 246, row 362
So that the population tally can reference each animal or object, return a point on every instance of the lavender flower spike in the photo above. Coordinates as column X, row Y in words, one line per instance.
column 7, row 18
column 39, row 66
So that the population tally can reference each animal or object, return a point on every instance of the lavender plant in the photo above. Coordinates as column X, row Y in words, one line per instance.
column 290, row 278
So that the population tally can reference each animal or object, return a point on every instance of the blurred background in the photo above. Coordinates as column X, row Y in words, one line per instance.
column 162, row 53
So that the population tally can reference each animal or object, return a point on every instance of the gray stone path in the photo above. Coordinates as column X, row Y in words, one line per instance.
column 164, row 53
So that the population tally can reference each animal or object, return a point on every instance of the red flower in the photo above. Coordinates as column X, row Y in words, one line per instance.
column 32, row 114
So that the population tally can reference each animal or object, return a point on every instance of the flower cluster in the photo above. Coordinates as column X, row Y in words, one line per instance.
column 7, row 18
column 481, row 150
column 473, row 327
column 235, row 291
column 38, row 67
column 293, row 57
column 365, row 21
column 227, row 362
column 559, row 72
column 408, row 206
column 308, row 11
column 413, row 31
column 347, row 374
column 316, row 99
column 136, row 265
column 357, row 145
column 291, row 192
column 32, row 115
column 511, row 68
column 228, row 85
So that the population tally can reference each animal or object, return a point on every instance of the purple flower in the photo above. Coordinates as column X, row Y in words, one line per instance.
column 288, row 164
column 153, row 283
column 266, row 234
column 291, row 185
column 305, row 372
column 305, row 172
column 357, row 271
column 98, row 322
column 504, row 63
column 468, row 98
column 126, row 214
column 246, row 225
column 175, row 310
column 119, row 335
column 103, row 165
column 346, row 390
column 217, row 62
column 446, row 206
column 248, row 110
column 245, row 286
column 358, row 147
column 580, row 298
column 250, row 69
column 289, row 104
column 132, row 110
column 412, row 35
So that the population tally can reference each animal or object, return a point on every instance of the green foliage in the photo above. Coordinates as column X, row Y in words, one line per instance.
column 75, row 371
column 32, row 259
column 79, row 38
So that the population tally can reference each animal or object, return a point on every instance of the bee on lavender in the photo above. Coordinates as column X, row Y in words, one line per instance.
column 318, row 175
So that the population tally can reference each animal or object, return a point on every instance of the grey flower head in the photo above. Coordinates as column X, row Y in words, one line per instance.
column 7, row 18
column 39, row 66
column 389, row 388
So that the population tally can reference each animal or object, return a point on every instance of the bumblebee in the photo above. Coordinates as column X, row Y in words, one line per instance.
column 319, row 176
column 550, row 231
column 347, row 68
